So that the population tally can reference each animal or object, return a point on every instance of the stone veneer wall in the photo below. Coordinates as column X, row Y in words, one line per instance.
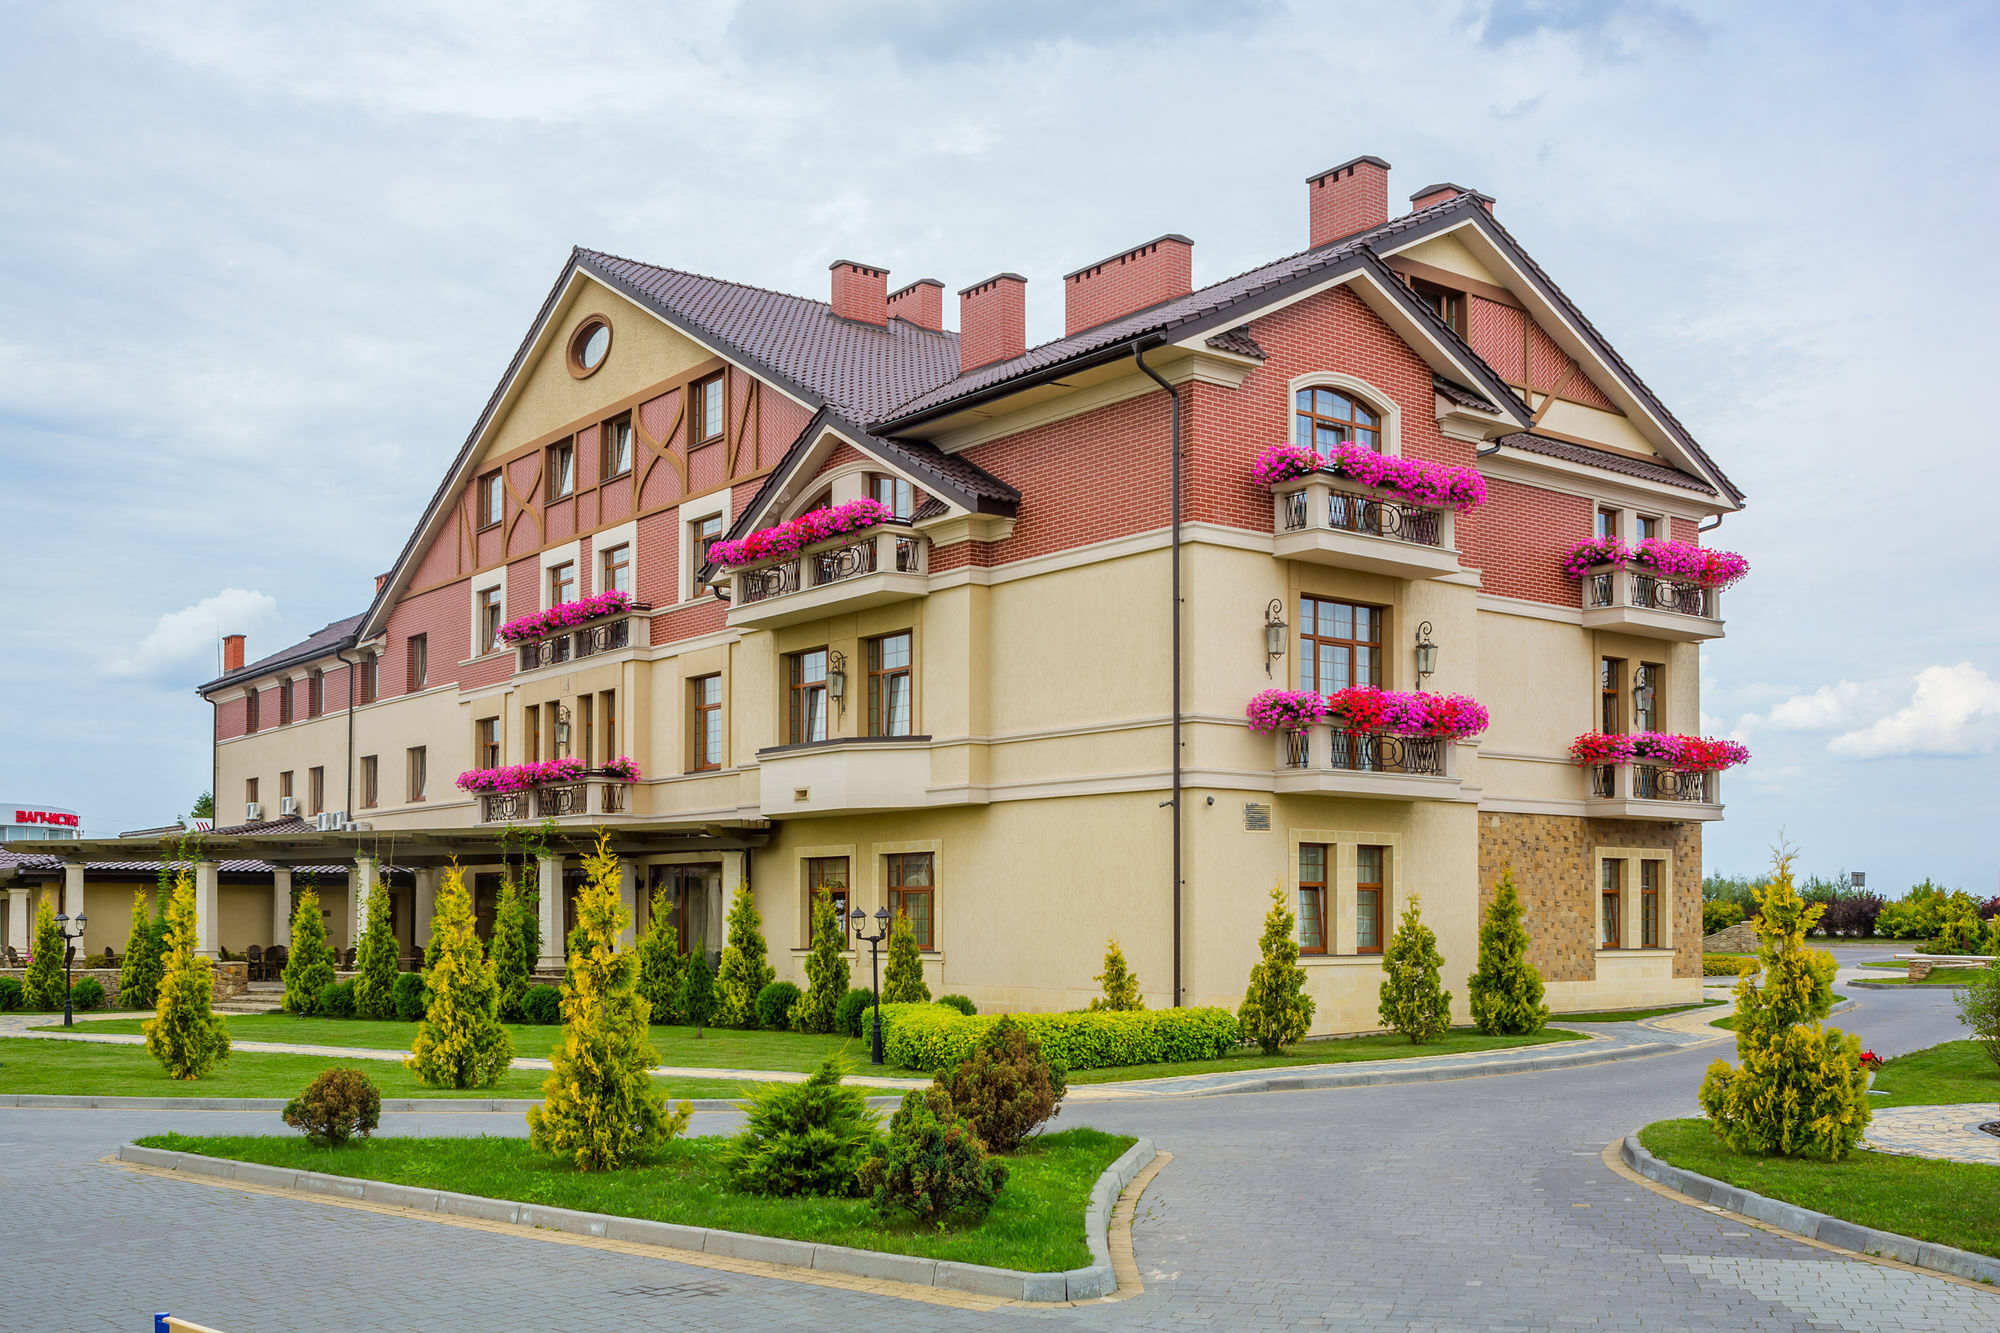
column 231, row 980
column 1552, row 857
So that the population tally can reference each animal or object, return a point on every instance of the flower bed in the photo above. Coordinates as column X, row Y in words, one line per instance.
column 542, row 773
column 793, row 536
column 1680, row 560
column 565, row 615
column 1682, row 754
column 1438, row 485
column 1366, row 708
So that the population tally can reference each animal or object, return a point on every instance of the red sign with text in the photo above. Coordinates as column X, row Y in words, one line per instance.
column 55, row 817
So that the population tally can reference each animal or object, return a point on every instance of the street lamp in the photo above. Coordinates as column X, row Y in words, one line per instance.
column 858, row 919
column 70, row 937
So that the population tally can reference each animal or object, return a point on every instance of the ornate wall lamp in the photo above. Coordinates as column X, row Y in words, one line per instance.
column 1274, row 633
column 836, row 680
column 562, row 731
column 1427, row 654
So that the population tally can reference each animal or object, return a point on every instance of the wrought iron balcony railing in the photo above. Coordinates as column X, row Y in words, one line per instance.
column 588, row 641
column 1627, row 783
column 1343, row 511
column 1647, row 592
column 892, row 548
column 1364, row 752
column 590, row 795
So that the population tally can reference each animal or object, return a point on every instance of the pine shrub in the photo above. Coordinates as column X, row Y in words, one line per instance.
column 375, row 959
column 336, row 1000
column 1121, row 985
column 185, row 1035
column 851, row 1016
column 600, row 1107
column 10, row 994
column 1007, row 1090
column 43, row 985
column 826, row 969
column 1506, row 989
column 309, row 962
column 139, row 974
column 744, row 971
column 1413, row 999
column 1799, row 1089
column 513, row 969
column 931, row 1164
column 903, row 976
column 408, row 996
column 335, row 1106
column 775, row 1004
column 1275, row 1008
column 541, row 1005
column 698, row 994
column 87, row 994
column 460, row 1043
column 662, row 967
column 962, row 1003
column 803, row 1138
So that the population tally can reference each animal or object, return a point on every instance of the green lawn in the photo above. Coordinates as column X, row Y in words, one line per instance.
column 1037, row 1224
column 1343, row 1050
column 94, row 1069
column 1947, row 1202
column 1940, row 976
column 1729, row 1024
column 1631, row 1015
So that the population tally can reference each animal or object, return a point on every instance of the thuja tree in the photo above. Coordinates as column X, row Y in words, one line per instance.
column 903, row 978
column 139, row 974
column 185, row 1034
column 744, row 970
column 309, row 963
column 826, row 969
column 600, row 1108
column 1506, row 989
column 1413, row 998
column 460, row 1043
column 42, row 988
column 661, row 963
column 512, row 966
column 1799, row 1089
column 1276, row 1008
column 1121, row 985
column 375, row 959
column 698, row 993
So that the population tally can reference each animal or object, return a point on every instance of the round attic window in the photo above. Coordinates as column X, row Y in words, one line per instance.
column 589, row 345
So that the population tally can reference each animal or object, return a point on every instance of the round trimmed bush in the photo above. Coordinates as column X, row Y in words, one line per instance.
column 87, row 994
column 336, row 1000
column 406, row 997
column 850, row 1015
column 774, row 1005
column 960, row 1003
column 541, row 1004
column 337, row 1104
column 10, row 994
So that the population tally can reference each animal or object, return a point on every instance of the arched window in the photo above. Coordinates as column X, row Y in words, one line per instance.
column 1323, row 418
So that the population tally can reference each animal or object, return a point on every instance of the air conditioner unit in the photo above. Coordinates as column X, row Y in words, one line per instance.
column 253, row 810
column 288, row 805
column 326, row 822
column 357, row 828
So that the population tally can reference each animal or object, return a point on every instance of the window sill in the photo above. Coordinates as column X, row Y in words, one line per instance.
column 1340, row 959
column 1617, row 951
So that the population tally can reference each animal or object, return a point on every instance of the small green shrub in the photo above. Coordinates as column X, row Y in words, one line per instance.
column 1506, row 989
column 541, row 1004
column 1719, row 916
column 87, row 994
column 804, row 1138
column 903, row 977
column 336, row 1105
column 1007, row 1090
column 1413, row 998
column 962, row 1003
column 10, row 994
column 407, row 996
column 743, row 972
column 826, row 969
column 931, row 1164
column 336, row 1000
column 1979, row 1007
column 43, row 982
column 1727, row 964
column 1964, row 934
column 309, row 962
column 851, row 1016
column 931, row 1037
column 1120, row 982
column 774, row 1005
column 375, row 960
column 698, row 993
column 1275, row 1008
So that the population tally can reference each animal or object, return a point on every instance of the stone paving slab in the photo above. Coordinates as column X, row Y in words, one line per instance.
column 1949, row 1132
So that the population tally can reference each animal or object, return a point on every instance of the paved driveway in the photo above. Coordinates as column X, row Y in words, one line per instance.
column 1476, row 1204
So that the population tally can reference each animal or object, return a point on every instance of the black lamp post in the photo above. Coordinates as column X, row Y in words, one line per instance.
column 63, row 923
column 859, row 919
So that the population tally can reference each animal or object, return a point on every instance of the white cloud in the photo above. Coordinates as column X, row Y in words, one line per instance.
column 188, row 638
column 1954, row 710
column 1830, row 706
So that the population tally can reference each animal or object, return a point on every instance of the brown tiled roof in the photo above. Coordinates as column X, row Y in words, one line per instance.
column 965, row 476
column 289, row 824
column 1237, row 340
column 319, row 643
column 932, row 507
column 1610, row 462
column 40, row 864
column 1461, row 395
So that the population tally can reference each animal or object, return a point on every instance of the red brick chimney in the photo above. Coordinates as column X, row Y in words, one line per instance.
column 380, row 579
column 1145, row 275
column 992, row 321
column 1443, row 190
column 1351, row 197
column 860, row 292
column 922, row 303
column 232, row 653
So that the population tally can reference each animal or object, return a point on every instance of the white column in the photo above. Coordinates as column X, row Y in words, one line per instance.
column 17, row 918
column 73, row 897
column 426, row 904
column 207, row 907
column 553, row 945
column 628, row 875
column 281, row 906
column 358, row 888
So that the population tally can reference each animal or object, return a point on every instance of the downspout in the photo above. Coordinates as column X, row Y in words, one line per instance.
column 1710, row 527
column 1174, row 524
column 352, row 667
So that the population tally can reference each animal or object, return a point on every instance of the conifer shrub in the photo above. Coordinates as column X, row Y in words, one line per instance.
column 1121, row 984
column 775, row 1004
column 336, row 1000
column 87, row 994
column 662, row 966
column 1275, row 1007
column 1006, row 1090
column 375, row 958
column 408, row 996
column 1799, row 1089
column 698, row 994
column 1413, row 999
column 185, row 1035
column 541, row 1004
column 600, row 1107
column 744, row 971
column 851, row 1015
column 1506, row 989
column 826, row 969
column 1718, row 914
column 139, row 973
column 903, row 975
column 1979, row 1007
column 308, row 962
column 42, row 987
column 10, row 994
column 337, row 1105
column 459, row 1043
column 508, row 950
column 931, row 1164
column 1960, row 933
column 962, row 1003
column 804, row 1138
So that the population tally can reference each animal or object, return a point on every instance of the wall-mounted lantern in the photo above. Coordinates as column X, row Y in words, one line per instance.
column 562, row 731
column 1274, row 633
column 1427, row 654
column 836, row 680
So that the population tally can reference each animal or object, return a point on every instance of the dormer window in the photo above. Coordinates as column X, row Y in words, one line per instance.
column 1326, row 418
column 1445, row 303
column 893, row 494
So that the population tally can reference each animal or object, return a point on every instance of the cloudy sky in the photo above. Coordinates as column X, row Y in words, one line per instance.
column 261, row 265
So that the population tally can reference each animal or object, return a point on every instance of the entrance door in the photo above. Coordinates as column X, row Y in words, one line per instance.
column 690, row 889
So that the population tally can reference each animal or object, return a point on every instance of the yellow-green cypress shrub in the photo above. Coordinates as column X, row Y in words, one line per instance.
column 42, row 987
column 1276, row 1008
column 308, row 963
column 826, row 969
column 744, row 972
column 903, row 977
column 1506, row 989
column 1121, row 985
column 185, row 1035
column 375, row 960
column 661, row 963
column 601, row 1108
column 1413, row 998
column 139, row 972
column 460, row 1043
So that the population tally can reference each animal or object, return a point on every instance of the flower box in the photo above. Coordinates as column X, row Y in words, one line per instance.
column 1366, row 708
column 542, row 773
column 1681, row 754
column 1439, row 485
column 1702, row 565
column 794, row 535
column 565, row 616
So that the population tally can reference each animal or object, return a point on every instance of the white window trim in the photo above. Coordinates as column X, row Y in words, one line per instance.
column 710, row 505
column 624, row 534
column 568, row 552
column 493, row 578
column 1392, row 415
column 847, row 482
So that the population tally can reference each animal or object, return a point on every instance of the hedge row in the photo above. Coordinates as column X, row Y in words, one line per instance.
column 936, row 1036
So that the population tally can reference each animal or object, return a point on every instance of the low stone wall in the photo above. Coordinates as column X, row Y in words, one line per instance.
column 231, row 979
column 1739, row 938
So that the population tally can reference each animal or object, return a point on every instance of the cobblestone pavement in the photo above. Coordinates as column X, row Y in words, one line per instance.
column 1951, row 1132
column 1471, row 1204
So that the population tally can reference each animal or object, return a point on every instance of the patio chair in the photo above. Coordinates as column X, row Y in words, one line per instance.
column 349, row 956
column 14, row 959
column 254, row 956
column 274, row 962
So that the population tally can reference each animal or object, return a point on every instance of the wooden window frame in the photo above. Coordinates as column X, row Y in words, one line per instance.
column 1650, row 874
column 586, row 727
column 1379, row 886
column 486, row 742
column 1611, row 903
column 285, row 784
column 1309, row 644
column 1607, row 522
column 899, row 490
column 551, row 584
column 419, row 664
column 606, row 463
column 417, row 763
column 371, row 677
column 608, row 714
column 1319, row 887
column 371, row 781
column 900, row 892
column 253, row 711
column 1611, row 695
column 880, row 679
column 698, row 410
column 315, row 692
column 608, row 569
column 489, row 614
column 1648, row 526
column 285, row 702
column 250, row 791
column 315, row 789
column 799, row 692
column 531, row 733
column 815, row 871
column 1308, row 420
column 698, row 723
column 1446, row 303
column 552, row 455
column 492, row 499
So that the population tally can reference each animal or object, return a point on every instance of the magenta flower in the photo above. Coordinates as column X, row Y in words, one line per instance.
column 1285, row 710
column 1366, row 708
column 1436, row 485
column 794, row 535
column 1682, row 754
column 565, row 615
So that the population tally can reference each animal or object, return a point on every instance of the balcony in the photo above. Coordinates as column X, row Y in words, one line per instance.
column 1333, row 761
column 576, row 645
column 1635, row 601
column 1330, row 522
column 1647, row 791
column 889, row 563
column 590, row 798
column 849, row 775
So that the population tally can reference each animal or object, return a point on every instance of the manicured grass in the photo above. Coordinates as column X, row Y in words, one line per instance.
column 95, row 1069
column 1940, row 976
column 1950, row 1203
column 1729, row 1024
column 1630, row 1015
column 1037, row 1224
column 1340, row 1051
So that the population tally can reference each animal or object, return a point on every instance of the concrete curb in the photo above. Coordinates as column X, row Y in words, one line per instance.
column 1582, row 1055
column 1077, row 1284
column 390, row 1105
column 1813, row 1226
